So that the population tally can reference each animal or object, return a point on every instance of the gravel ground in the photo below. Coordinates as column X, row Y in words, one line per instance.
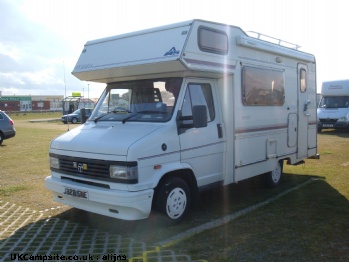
column 36, row 236
column 28, row 234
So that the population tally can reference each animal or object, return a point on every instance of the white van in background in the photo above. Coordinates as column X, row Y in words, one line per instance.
column 333, row 109
column 187, row 107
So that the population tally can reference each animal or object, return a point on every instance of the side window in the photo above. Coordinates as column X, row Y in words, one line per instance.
column 198, row 94
column 303, row 80
column 262, row 87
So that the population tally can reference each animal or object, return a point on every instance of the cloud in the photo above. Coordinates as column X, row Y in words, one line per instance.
column 14, row 29
column 40, row 40
column 32, row 57
column 8, row 64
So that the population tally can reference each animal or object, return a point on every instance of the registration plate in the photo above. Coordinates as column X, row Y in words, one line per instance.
column 75, row 192
column 327, row 125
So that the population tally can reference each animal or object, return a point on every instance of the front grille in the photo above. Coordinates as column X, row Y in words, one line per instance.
column 85, row 167
column 90, row 168
column 328, row 120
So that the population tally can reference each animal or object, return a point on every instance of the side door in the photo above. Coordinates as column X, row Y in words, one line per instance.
column 202, row 148
column 303, row 114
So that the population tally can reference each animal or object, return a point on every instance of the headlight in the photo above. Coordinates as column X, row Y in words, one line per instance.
column 123, row 172
column 54, row 162
column 343, row 119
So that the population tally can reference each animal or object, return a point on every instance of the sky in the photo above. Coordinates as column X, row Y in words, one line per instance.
column 41, row 40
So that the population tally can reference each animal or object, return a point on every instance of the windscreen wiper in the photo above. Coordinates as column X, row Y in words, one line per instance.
column 127, row 118
column 97, row 118
column 115, row 111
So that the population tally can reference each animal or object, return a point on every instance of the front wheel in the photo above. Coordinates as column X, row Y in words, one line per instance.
column 172, row 200
column 273, row 178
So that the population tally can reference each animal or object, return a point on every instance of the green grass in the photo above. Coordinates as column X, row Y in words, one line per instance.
column 25, row 163
column 11, row 190
column 34, row 115
column 309, row 224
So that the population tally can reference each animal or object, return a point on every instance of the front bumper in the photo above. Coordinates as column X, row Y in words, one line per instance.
column 341, row 125
column 334, row 124
column 113, row 203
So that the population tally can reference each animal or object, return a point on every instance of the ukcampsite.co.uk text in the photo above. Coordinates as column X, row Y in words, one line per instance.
column 57, row 257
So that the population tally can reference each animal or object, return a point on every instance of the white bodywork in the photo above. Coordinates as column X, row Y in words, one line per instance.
column 241, row 140
column 333, row 110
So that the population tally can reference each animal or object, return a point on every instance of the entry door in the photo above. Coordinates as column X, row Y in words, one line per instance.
column 303, row 114
column 202, row 148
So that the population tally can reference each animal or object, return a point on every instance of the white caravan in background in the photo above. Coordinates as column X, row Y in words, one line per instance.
column 187, row 107
column 333, row 110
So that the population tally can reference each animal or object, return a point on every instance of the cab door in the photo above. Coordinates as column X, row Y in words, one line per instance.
column 202, row 148
column 303, row 113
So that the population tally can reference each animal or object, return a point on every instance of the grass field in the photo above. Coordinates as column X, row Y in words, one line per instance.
column 308, row 224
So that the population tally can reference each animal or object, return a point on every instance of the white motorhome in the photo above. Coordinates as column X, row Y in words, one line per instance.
column 333, row 110
column 187, row 107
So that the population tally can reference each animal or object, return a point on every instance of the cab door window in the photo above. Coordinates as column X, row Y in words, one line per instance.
column 197, row 94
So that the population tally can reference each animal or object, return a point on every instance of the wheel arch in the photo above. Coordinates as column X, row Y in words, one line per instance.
column 185, row 174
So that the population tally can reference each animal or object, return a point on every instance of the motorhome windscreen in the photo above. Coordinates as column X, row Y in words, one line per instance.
column 151, row 100
column 334, row 102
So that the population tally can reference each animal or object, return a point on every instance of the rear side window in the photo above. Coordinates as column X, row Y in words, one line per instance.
column 303, row 80
column 262, row 87
column 212, row 41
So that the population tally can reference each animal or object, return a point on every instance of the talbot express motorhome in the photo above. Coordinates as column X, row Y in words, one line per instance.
column 333, row 110
column 186, row 107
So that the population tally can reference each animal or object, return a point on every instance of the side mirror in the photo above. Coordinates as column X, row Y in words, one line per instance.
column 198, row 119
column 199, row 116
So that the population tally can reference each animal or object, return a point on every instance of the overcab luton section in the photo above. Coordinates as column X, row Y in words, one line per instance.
column 187, row 107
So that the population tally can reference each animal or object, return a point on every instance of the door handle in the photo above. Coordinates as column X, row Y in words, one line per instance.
column 219, row 130
column 306, row 104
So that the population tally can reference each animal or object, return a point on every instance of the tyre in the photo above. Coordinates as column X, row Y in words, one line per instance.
column 273, row 178
column 172, row 200
column 1, row 138
column 74, row 120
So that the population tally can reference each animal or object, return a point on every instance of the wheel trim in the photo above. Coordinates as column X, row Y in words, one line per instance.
column 276, row 174
column 176, row 203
